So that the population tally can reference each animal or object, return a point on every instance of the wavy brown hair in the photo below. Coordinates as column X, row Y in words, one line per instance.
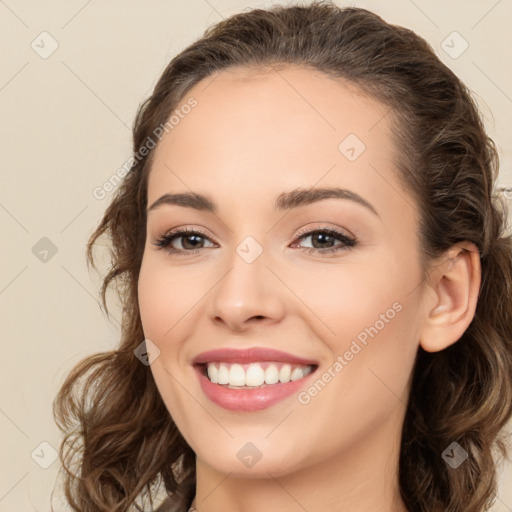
column 120, row 442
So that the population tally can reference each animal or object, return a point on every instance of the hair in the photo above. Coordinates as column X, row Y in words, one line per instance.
column 120, row 442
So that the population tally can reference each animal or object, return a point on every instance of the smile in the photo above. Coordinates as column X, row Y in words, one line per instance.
column 255, row 374
column 251, row 379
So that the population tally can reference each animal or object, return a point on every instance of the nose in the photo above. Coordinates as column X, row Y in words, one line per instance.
column 247, row 294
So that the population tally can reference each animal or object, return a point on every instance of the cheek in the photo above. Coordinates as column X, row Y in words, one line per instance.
column 165, row 296
column 369, row 322
column 348, row 299
column 374, row 317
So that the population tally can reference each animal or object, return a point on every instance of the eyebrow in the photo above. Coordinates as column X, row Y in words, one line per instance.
column 285, row 201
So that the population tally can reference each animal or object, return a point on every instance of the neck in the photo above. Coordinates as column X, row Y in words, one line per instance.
column 362, row 478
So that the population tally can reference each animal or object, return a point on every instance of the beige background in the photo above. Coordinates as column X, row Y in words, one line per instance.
column 66, row 129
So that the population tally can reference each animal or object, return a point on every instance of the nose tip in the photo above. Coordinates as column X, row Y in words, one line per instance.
column 246, row 295
column 240, row 319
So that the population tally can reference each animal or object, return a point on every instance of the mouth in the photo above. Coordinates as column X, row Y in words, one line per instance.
column 254, row 375
column 251, row 379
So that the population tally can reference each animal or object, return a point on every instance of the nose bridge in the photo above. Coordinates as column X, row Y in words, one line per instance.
column 247, row 289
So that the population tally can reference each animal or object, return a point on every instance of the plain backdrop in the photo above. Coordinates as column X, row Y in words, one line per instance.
column 72, row 75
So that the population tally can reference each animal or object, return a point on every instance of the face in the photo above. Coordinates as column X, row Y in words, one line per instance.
column 303, row 307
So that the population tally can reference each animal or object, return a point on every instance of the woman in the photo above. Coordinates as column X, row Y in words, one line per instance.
column 315, row 278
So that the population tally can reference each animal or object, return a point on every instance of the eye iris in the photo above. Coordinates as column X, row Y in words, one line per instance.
column 324, row 239
column 187, row 238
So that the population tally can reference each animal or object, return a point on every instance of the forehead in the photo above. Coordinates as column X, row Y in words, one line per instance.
column 284, row 104
column 262, row 131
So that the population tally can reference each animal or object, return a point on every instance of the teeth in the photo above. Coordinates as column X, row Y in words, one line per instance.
column 255, row 374
column 236, row 375
column 223, row 374
column 285, row 373
column 297, row 374
column 213, row 373
column 271, row 374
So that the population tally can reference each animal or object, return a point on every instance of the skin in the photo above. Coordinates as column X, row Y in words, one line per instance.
column 252, row 136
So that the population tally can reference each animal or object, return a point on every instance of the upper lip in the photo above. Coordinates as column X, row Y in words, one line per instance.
column 249, row 355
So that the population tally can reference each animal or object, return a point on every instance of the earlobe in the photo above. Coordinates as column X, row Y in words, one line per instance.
column 451, row 308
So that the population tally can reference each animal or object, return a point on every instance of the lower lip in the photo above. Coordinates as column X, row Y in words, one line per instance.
column 248, row 399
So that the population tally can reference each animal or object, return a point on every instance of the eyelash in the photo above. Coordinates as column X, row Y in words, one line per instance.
column 347, row 242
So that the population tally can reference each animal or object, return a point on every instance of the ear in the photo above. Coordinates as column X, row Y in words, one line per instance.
column 454, row 286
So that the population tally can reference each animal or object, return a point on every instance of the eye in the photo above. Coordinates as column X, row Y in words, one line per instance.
column 323, row 241
column 191, row 241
